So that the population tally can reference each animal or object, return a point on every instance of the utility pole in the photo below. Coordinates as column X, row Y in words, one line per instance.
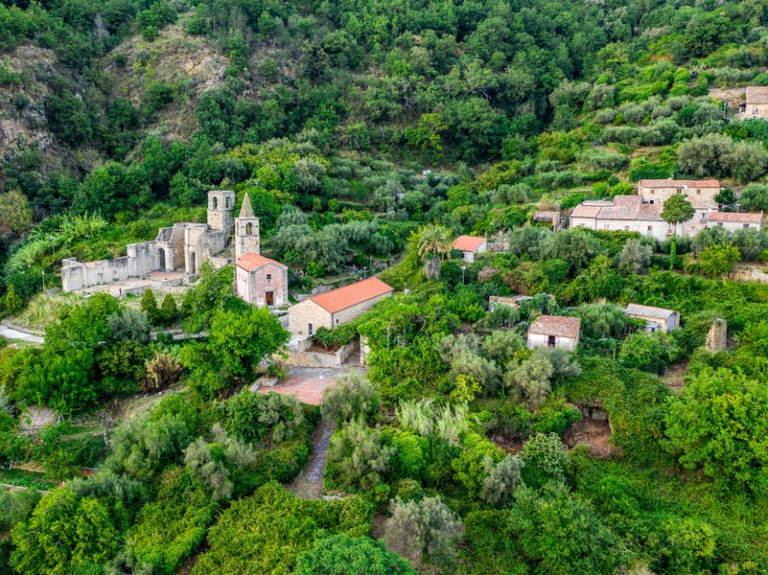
column 463, row 269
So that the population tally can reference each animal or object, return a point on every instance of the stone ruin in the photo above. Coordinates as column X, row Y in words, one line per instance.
column 175, row 255
column 717, row 336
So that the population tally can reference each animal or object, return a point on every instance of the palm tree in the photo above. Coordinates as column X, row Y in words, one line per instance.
column 433, row 244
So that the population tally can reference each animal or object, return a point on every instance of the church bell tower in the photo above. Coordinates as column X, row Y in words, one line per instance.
column 247, row 238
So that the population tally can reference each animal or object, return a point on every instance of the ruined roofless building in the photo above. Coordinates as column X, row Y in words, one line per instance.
column 182, row 248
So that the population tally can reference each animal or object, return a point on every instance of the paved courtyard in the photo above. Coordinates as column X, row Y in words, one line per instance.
column 307, row 383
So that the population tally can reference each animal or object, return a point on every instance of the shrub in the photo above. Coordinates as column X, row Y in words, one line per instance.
column 544, row 460
column 425, row 533
column 357, row 456
column 560, row 533
column 345, row 555
column 261, row 534
column 648, row 352
column 174, row 525
column 352, row 397
column 716, row 409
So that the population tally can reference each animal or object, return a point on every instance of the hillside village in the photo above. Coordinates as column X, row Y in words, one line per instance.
column 384, row 288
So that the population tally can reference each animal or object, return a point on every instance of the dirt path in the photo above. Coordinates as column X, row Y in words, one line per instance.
column 309, row 483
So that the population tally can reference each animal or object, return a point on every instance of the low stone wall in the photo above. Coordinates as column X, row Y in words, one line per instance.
column 317, row 359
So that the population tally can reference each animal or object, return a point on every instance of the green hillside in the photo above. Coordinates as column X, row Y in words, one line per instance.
column 368, row 135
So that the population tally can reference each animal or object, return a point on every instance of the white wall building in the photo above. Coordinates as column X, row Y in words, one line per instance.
column 734, row 222
column 470, row 245
column 623, row 213
column 554, row 331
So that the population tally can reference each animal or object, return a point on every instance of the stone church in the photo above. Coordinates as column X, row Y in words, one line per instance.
column 259, row 280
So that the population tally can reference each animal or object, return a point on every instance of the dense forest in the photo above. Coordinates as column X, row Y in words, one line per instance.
column 367, row 136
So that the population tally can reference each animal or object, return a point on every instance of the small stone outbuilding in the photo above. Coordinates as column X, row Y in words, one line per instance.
column 336, row 307
column 554, row 331
column 655, row 318
column 469, row 246
column 756, row 104
column 261, row 281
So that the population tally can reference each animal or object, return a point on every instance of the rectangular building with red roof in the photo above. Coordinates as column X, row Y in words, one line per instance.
column 336, row 307
column 469, row 246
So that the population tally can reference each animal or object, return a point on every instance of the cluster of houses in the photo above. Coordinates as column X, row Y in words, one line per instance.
column 642, row 212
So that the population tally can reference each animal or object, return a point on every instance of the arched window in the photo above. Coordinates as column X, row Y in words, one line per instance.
column 228, row 202
column 215, row 203
column 248, row 229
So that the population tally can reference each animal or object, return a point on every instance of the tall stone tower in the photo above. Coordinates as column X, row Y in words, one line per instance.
column 221, row 206
column 247, row 231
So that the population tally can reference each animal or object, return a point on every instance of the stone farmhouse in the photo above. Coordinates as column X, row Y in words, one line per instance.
column 175, row 254
column 701, row 193
column 554, row 331
column 756, row 104
column 261, row 281
column 655, row 318
column 336, row 307
column 469, row 246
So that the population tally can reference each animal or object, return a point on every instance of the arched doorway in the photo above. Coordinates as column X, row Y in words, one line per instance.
column 161, row 259
column 192, row 263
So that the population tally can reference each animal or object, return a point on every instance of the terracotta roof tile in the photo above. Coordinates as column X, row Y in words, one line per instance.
column 353, row 294
column 670, row 183
column 743, row 217
column 757, row 95
column 250, row 262
column 557, row 325
column 467, row 243
column 589, row 208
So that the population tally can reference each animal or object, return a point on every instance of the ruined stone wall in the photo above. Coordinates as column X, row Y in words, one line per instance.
column 143, row 258
column 76, row 275
column 717, row 336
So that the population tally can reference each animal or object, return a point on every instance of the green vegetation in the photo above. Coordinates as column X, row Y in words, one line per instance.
column 368, row 136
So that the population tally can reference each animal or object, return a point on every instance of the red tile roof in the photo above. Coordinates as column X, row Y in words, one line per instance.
column 250, row 262
column 744, row 218
column 467, row 243
column 353, row 294
column 558, row 325
column 757, row 95
column 670, row 183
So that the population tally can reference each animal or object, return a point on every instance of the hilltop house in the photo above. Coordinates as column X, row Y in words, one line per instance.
column 469, row 246
column 336, row 307
column 756, row 104
column 554, row 331
column 655, row 318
